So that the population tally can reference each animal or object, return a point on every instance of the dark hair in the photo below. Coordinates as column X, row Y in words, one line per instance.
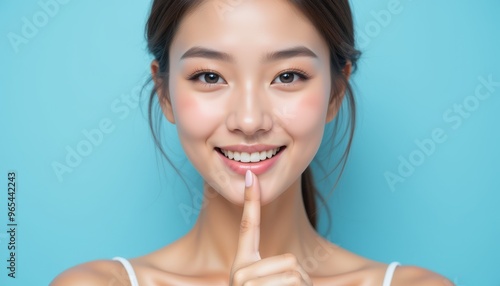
column 332, row 18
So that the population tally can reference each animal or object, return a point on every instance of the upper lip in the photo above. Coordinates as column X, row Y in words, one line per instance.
column 249, row 148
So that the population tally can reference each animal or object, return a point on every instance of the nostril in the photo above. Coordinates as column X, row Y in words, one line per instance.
column 252, row 122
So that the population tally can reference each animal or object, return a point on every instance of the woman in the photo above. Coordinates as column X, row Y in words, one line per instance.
column 250, row 85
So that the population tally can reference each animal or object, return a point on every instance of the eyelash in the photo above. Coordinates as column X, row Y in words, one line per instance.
column 196, row 74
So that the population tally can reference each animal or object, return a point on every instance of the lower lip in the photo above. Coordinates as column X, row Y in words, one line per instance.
column 257, row 168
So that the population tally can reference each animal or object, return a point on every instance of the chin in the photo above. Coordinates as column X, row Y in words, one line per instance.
column 271, row 189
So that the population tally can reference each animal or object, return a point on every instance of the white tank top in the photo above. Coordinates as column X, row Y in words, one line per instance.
column 133, row 279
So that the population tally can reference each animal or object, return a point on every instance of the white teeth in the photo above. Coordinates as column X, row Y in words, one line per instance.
column 236, row 156
column 250, row 157
column 262, row 155
column 255, row 157
column 245, row 157
column 269, row 153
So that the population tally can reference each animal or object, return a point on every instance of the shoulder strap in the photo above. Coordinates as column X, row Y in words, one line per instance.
column 389, row 273
column 130, row 270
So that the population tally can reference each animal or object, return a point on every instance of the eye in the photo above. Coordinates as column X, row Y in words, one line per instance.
column 210, row 78
column 206, row 77
column 289, row 77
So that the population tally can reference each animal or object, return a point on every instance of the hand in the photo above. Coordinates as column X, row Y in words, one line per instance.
column 248, row 268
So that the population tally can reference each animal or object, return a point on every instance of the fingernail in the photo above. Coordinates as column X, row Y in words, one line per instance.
column 248, row 179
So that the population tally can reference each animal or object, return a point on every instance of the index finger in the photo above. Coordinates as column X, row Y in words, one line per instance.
column 248, row 242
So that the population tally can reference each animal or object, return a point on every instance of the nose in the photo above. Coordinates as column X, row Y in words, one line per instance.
column 250, row 112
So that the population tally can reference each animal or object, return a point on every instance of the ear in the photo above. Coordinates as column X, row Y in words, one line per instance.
column 162, row 92
column 336, row 99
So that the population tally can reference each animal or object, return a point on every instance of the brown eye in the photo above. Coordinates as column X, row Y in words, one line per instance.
column 286, row 77
column 291, row 77
column 211, row 78
column 206, row 77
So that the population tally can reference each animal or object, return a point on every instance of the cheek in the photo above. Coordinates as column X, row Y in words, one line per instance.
column 195, row 118
column 307, row 115
column 306, row 125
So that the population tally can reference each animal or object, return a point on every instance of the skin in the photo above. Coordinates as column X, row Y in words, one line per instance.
column 258, row 234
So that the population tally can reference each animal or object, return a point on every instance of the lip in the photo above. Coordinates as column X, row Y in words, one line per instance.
column 249, row 148
column 257, row 168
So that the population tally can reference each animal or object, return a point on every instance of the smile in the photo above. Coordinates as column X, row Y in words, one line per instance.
column 257, row 162
column 254, row 157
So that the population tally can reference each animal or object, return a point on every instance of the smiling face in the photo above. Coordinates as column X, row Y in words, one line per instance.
column 250, row 77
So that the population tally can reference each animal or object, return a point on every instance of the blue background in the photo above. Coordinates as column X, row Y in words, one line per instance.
column 87, row 62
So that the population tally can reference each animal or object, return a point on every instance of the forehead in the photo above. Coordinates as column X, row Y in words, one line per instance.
column 245, row 27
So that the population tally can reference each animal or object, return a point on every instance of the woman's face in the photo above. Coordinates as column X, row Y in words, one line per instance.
column 236, row 81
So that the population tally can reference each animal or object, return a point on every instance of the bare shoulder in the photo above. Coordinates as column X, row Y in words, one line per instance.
column 350, row 268
column 98, row 272
column 418, row 276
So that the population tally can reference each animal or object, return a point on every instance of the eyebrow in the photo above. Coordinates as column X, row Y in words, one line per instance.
column 201, row 52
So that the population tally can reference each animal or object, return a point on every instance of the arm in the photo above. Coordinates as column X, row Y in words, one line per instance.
column 92, row 273
column 417, row 276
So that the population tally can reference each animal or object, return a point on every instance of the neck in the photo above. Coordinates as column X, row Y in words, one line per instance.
column 285, row 228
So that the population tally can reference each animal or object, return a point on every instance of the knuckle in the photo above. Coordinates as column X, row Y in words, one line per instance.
column 293, row 277
column 245, row 225
column 238, row 277
column 292, row 260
